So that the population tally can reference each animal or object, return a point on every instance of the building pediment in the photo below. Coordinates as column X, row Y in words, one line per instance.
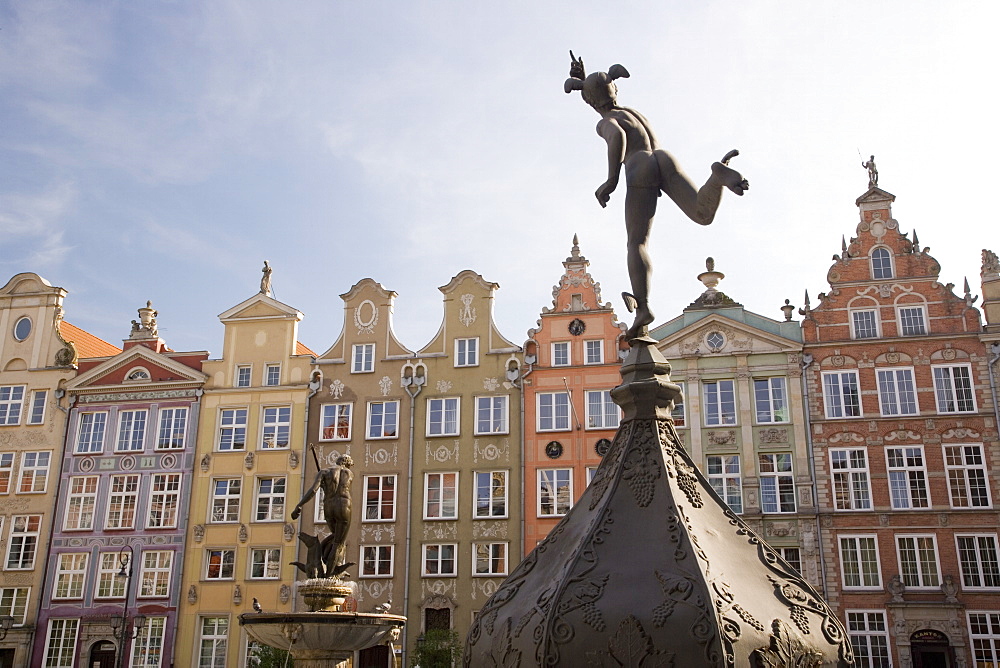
column 719, row 335
column 109, row 372
column 875, row 195
column 260, row 307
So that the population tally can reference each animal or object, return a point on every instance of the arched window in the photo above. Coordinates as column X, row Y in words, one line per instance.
column 881, row 263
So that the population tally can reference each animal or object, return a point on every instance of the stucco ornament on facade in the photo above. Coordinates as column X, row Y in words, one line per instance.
column 376, row 531
column 337, row 388
column 381, row 455
column 902, row 434
column 467, row 314
column 366, row 325
column 491, row 384
column 385, row 385
column 489, row 529
column 441, row 453
column 374, row 589
column 443, row 386
column 484, row 587
column 490, row 452
column 441, row 531
column 961, row 432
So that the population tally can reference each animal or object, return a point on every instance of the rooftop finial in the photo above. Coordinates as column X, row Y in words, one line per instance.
column 710, row 264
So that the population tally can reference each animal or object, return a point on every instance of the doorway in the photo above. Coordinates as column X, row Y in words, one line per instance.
column 102, row 655
column 931, row 649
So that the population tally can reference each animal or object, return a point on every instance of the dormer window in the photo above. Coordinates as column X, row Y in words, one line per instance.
column 881, row 263
column 138, row 374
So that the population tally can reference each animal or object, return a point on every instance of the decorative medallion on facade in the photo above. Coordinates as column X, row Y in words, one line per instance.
column 577, row 327
column 381, row 455
column 490, row 452
column 553, row 450
column 337, row 388
column 385, row 385
column 366, row 317
column 467, row 313
column 715, row 341
column 441, row 454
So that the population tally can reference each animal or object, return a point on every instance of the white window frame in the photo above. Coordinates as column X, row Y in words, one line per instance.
column 81, row 503
column 467, row 352
column 443, row 495
column 850, row 479
column 869, row 635
column 679, row 413
column 213, row 638
column 904, row 318
column 147, row 648
column 383, row 431
column 225, row 508
column 484, row 497
column 334, row 420
column 549, row 478
column 593, row 351
column 492, row 415
column 7, row 479
column 91, row 432
column 965, row 468
column 275, row 427
column 770, row 400
column 985, row 646
column 225, row 564
column 363, row 358
column 980, row 571
column 123, row 498
column 11, row 404
column 440, row 560
column 947, row 388
column 376, row 561
column 862, row 573
column 243, row 376
column 490, row 559
column 591, row 472
column 835, row 401
column 910, row 474
column 164, row 501
column 272, row 375
column 792, row 556
column 724, row 473
column 172, row 431
column 155, row 569
column 562, row 353
column 60, row 643
column 271, row 500
column 71, row 576
column 872, row 332
column 444, row 416
column 34, row 467
column 108, row 582
column 558, row 418
column 376, row 492
column 896, row 386
column 719, row 410
column 923, row 577
column 14, row 602
column 232, row 430
column 267, row 559
column 602, row 411
column 25, row 538
column 39, row 400
column 778, row 478
column 885, row 257
column 132, row 430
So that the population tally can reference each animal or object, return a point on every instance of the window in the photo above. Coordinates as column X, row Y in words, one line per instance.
column 23, row 542
column 560, row 353
column 80, row 503
column 953, row 389
column 792, row 556
column 841, row 395
column 163, row 501
column 383, row 418
column 270, row 499
column 907, row 478
column 173, row 422
column 869, row 638
column 677, row 413
column 984, row 632
column 489, row 558
column 918, row 563
column 60, row 643
column 467, row 352
column 243, row 375
column 109, row 585
column 911, row 321
column 895, row 392
column 277, row 424
column 977, row 555
column 491, row 415
column 442, row 417
column 122, row 502
column 272, row 374
column 591, row 472
column 34, row 472
column 555, row 492
column 147, row 648
column 212, row 646
column 491, row 494
column 154, row 576
column 851, row 489
column 232, row 429
column 131, row 431
column 71, row 570
column 966, row 471
column 364, row 358
column 720, row 403
column 865, row 324
column 335, row 422
column 602, row 412
column 440, row 496
column 219, row 564
column 22, row 328
column 777, row 485
column 859, row 562
column 380, row 498
column 376, row 561
column 439, row 560
column 226, row 499
column 770, row 400
column 724, row 476
column 14, row 602
column 881, row 263
column 593, row 352
column 91, row 437
column 6, row 471
column 38, row 399
column 265, row 563
column 11, row 401
column 553, row 411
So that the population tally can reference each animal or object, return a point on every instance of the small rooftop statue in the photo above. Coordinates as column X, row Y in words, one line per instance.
column 265, row 280
column 649, row 170
column 872, row 172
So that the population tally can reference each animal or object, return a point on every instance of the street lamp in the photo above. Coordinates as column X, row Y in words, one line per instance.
column 6, row 622
column 123, row 626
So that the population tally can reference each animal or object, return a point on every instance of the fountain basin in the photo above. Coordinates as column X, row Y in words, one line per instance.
column 321, row 639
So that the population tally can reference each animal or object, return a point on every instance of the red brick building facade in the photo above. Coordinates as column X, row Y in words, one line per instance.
column 905, row 446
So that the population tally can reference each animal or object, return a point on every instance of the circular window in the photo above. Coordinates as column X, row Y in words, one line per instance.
column 715, row 340
column 22, row 328
column 602, row 447
column 554, row 450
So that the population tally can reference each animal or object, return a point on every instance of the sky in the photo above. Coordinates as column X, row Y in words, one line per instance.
column 163, row 150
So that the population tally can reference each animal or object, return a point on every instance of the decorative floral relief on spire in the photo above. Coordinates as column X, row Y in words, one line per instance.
column 785, row 651
column 631, row 646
